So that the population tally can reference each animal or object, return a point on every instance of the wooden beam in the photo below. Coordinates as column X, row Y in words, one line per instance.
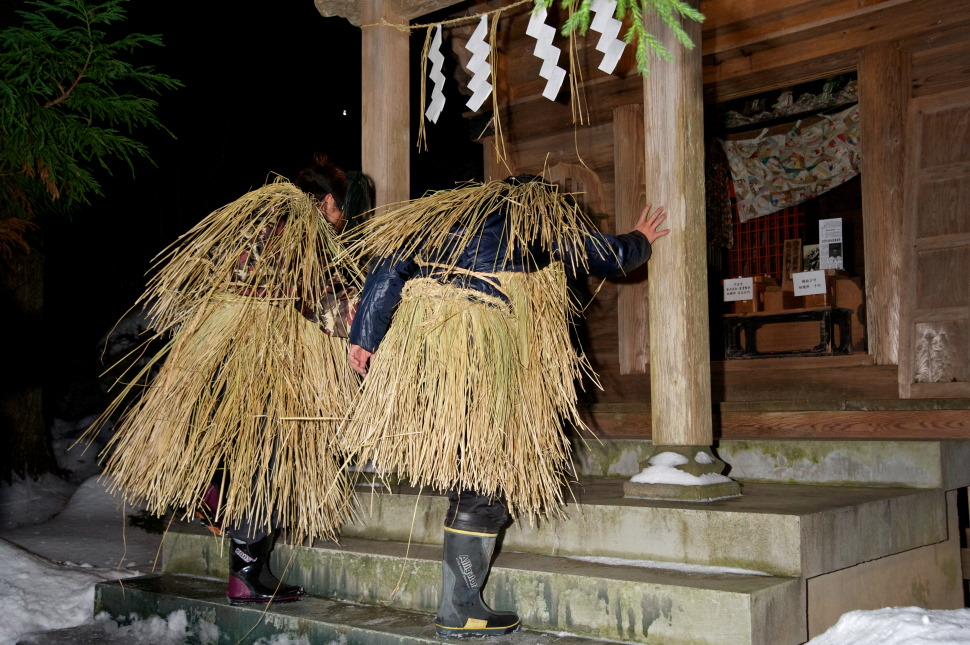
column 633, row 309
column 727, row 23
column 385, row 118
column 404, row 10
column 411, row 9
column 883, row 95
column 634, row 422
column 833, row 36
column 680, row 374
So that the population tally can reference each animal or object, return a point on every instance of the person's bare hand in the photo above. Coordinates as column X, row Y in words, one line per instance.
column 648, row 223
column 359, row 359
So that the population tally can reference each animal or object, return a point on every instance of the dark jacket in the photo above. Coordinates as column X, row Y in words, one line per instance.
column 605, row 256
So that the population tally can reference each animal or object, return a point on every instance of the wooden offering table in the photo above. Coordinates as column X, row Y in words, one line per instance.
column 830, row 320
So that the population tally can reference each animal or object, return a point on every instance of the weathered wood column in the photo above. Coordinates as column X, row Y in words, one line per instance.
column 385, row 102
column 680, row 362
column 883, row 96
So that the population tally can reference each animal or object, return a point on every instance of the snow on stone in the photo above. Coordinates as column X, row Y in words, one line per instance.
column 663, row 470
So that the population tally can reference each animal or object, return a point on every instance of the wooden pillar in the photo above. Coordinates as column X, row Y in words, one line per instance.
column 680, row 362
column 385, row 136
column 633, row 303
column 883, row 96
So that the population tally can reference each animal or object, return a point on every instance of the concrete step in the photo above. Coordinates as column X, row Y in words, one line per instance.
column 320, row 620
column 613, row 600
column 932, row 463
column 779, row 529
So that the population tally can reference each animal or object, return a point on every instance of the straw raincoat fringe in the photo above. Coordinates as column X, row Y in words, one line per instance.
column 246, row 385
column 469, row 391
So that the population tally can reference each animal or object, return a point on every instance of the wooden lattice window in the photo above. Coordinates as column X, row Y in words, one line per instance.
column 759, row 244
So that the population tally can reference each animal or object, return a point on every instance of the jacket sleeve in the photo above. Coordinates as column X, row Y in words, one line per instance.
column 612, row 255
column 382, row 291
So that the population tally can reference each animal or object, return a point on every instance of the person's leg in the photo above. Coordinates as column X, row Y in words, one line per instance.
column 471, row 529
column 207, row 511
column 250, row 577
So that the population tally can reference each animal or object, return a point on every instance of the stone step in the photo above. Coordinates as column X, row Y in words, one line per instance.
column 940, row 463
column 603, row 599
column 779, row 529
column 318, row 619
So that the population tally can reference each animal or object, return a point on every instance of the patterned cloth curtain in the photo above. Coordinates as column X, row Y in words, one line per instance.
column 774, row 172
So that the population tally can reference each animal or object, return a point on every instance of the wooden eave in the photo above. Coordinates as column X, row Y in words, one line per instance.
column 746, row 56
column 400, row 9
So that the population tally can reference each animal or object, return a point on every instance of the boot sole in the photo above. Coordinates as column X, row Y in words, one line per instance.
column 479, row 632
column 264, row 601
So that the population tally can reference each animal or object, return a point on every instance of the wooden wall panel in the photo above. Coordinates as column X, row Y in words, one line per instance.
column 948, row 132
column 947, row 199
column 935, row 346
column 942, row 69
column 942, row 278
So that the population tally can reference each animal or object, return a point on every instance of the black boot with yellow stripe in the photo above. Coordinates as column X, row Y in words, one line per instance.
column 468, row 548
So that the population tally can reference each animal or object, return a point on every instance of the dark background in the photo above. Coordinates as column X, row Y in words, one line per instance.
column 266, row 86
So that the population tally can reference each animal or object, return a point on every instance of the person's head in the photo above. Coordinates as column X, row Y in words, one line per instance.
column 327, row 184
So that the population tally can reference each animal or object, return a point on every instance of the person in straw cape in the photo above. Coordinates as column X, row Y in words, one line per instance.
column 254, row 305
column 463, row 334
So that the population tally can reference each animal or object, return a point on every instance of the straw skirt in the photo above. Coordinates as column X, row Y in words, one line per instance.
column 468, row 391
column 250, row 389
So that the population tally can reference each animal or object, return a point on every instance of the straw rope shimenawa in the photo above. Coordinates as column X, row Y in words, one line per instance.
column 246, row 384
column 470, row 391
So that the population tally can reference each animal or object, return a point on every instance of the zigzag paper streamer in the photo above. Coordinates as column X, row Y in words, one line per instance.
column 609, row 28
column 437, row 103
column 479, row 65
column 549, row 53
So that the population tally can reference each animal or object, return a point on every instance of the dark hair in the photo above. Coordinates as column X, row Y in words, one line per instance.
column 323, row 178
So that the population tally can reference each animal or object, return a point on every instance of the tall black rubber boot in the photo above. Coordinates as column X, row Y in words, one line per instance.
column 467, row 559
column 250, row 578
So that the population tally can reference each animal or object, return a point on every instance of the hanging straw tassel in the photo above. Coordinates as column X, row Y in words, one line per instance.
column 468, row 392
column 246, row 385
column 537, row 213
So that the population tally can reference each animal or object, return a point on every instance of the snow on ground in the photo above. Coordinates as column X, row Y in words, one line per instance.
column 55, row 546
column 59, row 538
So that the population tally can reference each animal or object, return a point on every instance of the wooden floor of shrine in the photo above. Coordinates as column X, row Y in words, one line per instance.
column 827, row 397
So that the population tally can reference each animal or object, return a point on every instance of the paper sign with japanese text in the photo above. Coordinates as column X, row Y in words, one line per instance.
column 738, row 289
column 808, row 283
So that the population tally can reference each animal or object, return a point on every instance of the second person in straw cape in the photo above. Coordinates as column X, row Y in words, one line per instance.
column 254, row 305
column 463, row 334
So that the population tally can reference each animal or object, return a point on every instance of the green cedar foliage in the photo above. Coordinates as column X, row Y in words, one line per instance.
column 671, row 12
column 70, row 101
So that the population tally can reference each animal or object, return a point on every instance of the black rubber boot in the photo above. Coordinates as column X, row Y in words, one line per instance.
column 467, row 560
column 250, row 578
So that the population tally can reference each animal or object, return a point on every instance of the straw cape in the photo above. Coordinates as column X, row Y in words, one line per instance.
column 250, row 387
column 469, row 390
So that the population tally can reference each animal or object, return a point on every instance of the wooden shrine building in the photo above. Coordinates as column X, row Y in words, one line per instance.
column 882, row 355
